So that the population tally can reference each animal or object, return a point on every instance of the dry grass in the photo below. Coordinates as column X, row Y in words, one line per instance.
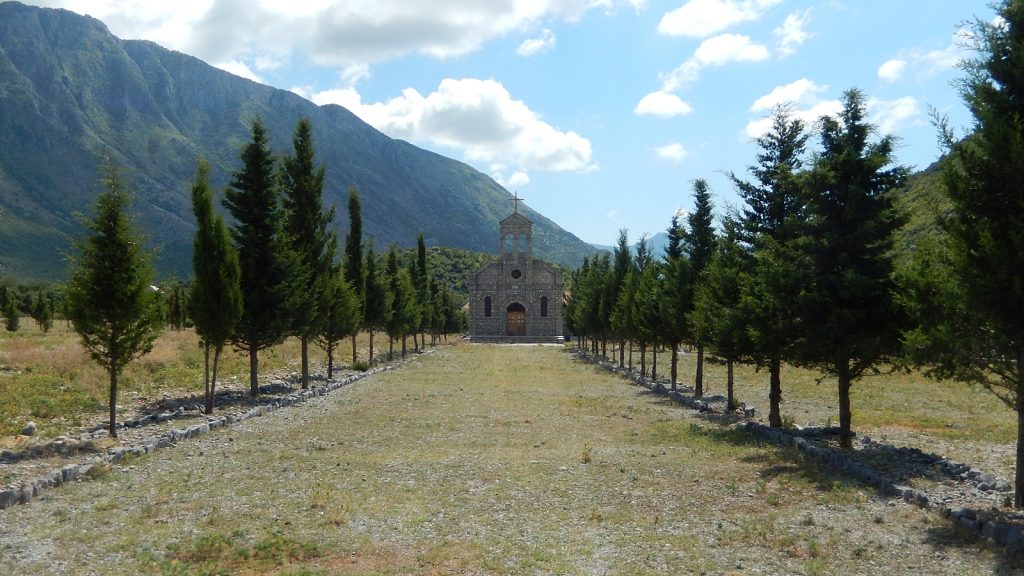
column 50, row 379
column 480, row 460
column 949, row 418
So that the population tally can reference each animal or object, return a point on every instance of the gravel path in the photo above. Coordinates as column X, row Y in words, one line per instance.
column 481, row 460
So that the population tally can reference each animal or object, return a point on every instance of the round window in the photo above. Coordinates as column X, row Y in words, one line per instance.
column 516, row 274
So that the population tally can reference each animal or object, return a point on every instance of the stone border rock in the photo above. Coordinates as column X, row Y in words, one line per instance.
column 27, row 490
column 998, row 531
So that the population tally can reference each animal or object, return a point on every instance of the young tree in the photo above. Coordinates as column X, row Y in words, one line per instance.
column 851, row 320
column 109, row 298
column 341, row 317
column 719, row 318
column 678, row 295
column 42, row 312
column 699, row 245
column 306, row 225
column 12, row 316
column 354, row 255
column 971, row 306
column 216, row 288
column 771, row 224
column 622, row 260
column 268, row 268
column 421, row 283
column 403, row 313
column 377, row 311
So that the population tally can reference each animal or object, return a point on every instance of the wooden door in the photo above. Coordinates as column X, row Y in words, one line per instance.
column 515, row 320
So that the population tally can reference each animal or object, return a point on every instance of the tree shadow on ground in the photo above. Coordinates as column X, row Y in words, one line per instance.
column 947, row 535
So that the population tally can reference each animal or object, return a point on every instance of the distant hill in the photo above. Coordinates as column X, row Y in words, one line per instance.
column 656, row 243
column 71, row 92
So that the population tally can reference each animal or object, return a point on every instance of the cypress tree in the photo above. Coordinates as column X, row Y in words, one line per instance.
column 42, row 312
column 354, row 272
column 268, row 271
column 970, row 300
column 306, row 225
column 718, row 314
column 109, row 298
column 850, row 318
column 341, row 317
column 12, row 319
column 771, row 223
column 377, row 311
column 678, row 296
column 216, row 289
column 699, row 244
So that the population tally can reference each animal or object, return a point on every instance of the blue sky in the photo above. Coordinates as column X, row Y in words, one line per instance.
column 600, row 113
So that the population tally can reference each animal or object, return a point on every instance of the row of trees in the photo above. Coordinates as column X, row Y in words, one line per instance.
column 39, row 304
column 804, row 274
column 274, row 272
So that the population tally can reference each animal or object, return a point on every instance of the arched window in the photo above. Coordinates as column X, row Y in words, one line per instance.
column 487, row 306
column 543, row 306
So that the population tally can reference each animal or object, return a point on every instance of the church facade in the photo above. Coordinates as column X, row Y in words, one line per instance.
column 516, row 298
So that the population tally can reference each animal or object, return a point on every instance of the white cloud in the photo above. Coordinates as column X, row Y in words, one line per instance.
column 354, row 73
column 477, row 117
column 612, row 215
column 533, row 46
column 335, row 32
column 702, row 18
column 888, row 115
column 802, row 91
column 663, row 105
column 892, row 70
column 518, row 179
column 716, row 51
column 239, row 68
column 927, row 63
column 803, row 94
column 674, row 152
column 726, row 48
column 792, row 32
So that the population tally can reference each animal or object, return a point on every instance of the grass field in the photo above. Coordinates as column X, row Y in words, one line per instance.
column 49, row 378
column 480, row 460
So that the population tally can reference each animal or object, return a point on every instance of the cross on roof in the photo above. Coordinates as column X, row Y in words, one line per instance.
column 516, row 200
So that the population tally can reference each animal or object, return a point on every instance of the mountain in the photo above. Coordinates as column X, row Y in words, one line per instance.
column 71, row 93
column 656, row 244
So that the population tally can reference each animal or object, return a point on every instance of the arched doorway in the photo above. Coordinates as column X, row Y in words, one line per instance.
column 515, row 320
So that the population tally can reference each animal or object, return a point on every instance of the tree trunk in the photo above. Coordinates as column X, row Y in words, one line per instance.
column 207, row 393
column 353, row 348
column 404, row 338
column 845, row 414
column 213, row 380
column 304, row 346
column 698, row 379
column 622, row 354
column 330, row 361
column 775, row 392
column 391, row 348
column 730, row 401
column 630, row 363
column 113, row 402
column 254, row 365
column 604, row 348
column 643, row 359
column 654, row 363
column 675, row 364
column 1018, row 478
column 371, row 347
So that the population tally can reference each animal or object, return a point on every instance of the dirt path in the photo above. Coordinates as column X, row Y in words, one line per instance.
column 479, row 460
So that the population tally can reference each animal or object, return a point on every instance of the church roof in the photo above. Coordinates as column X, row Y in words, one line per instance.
column 516, row 217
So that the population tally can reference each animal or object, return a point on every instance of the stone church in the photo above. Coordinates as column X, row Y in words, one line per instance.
column 517, row 298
